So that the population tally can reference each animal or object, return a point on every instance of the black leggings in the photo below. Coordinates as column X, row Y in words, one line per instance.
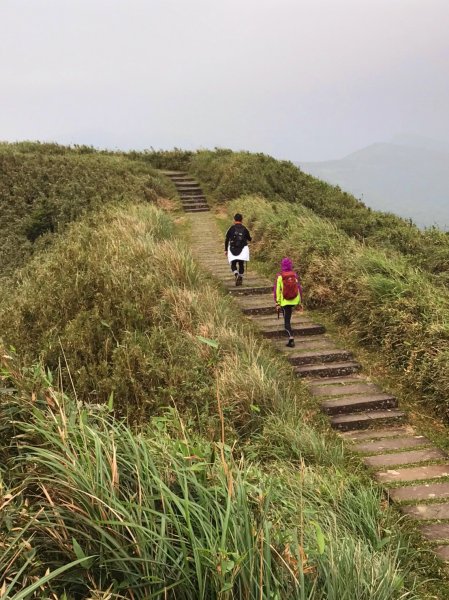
column 241, row 267
column 287, row 310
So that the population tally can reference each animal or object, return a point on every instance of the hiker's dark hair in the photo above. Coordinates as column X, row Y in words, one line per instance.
column 238, row 217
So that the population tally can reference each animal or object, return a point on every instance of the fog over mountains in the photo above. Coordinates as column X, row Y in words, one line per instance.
column 408, row 176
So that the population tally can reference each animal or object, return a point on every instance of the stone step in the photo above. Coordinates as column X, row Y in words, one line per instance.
column 373, row 434
column 351, row 404
column 192, row 210
column 260, row 305
column 246, row 291
column 366, row 419
column 338, row 380
column 193, row 199
column 297, row 329
column 442, row 552
column 345, row 390
column 195, row 205
column 427, row 512
column 413, row 473
column 190, row 191
column 249, row 281
column 435, row 531
column 311, row 343
column 328, row 369
column 272, row 319
column 318, row 357
column 258, row 310
column 185, row 183
column 416, row 493
column 389, row 444
column 404, row 458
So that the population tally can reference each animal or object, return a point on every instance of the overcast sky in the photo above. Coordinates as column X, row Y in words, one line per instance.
column 298, row 79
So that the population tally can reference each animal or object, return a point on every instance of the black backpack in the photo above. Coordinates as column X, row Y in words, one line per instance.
column 237, row 241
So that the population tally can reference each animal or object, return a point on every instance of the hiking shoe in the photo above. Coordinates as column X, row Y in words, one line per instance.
column 239, row 280
column 290, row 343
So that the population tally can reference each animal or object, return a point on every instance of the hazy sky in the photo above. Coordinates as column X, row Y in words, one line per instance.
column 298, row 79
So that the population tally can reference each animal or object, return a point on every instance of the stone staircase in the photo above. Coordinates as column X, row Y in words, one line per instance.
column 413, row 473
column 192, row 197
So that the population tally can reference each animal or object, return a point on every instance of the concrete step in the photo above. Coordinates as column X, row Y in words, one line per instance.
column 377, row 434
column 345, row 390
column 427, row 512
column 193, row 210
column 261, row 305
column 442, row 552
column 413, row 474
column 351, row 404
column 258, row 310
column 185, row 183
column 404, row 458
column 318, row 356
column 303, row 344
column 193, row 199
column 270, row 331
column 245, row 290
column 367, row 419
column 389, row 444
column 417, row 493
column 328, row 369
column 338, row 381
column 190, row 191
column 435, row 531
column 272, row 318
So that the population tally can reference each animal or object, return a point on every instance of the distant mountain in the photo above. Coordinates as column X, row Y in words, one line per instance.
column 408, row 176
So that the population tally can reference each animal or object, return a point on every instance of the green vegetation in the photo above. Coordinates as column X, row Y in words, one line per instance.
column 151, row 445
column 43, row 187
column 388, row 304
column 227, row 175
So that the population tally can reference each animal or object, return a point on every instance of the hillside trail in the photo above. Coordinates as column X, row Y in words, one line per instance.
column 413, row 473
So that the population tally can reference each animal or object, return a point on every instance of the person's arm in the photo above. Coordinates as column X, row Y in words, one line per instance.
column 279, row 290
column 299, row 287
column 228, row 237
column 248, row 236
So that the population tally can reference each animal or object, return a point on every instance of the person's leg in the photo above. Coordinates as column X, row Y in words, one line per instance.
column 241, row 267
column 287, row 324
column 234, row 267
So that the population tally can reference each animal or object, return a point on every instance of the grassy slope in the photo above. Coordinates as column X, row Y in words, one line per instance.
column 228, row 483
column 45, row 187
column 386, row 303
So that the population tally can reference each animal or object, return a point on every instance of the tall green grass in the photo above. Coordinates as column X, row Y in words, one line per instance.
column 164, row 513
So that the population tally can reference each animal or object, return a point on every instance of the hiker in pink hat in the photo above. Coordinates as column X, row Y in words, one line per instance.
column 287, row 293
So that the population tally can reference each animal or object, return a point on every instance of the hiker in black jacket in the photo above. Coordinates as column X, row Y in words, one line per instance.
column 236, row 248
